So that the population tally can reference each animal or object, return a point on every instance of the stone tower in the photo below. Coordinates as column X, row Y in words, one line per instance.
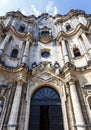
column 45, row 71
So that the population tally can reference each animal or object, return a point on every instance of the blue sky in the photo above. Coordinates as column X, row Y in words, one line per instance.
column 36, row 7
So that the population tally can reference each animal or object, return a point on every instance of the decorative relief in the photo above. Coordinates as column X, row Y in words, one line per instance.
column 45, row 76
column 45, row 65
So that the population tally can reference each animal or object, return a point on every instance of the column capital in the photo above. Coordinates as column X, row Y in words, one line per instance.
column 70, row 78
column 21, row 80
column 71, row 82
column 28, row 40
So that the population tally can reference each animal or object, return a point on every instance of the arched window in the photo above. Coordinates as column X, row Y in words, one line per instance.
column 14, row 53
column 76, row 52
column 68, row 27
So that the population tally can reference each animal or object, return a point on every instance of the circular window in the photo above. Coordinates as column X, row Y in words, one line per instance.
column 45, row 54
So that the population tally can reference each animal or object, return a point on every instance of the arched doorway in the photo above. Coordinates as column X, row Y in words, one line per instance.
column 46, row 112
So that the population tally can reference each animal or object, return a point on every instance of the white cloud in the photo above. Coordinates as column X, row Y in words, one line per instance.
column 8, row 5
column 23, row 12
column 4, row 2
column 51, row 9
column 35, row 11
column 49, row 6
column 55, row 10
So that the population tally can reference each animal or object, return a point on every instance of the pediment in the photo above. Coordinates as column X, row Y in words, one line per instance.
column 45, row 73
column 46, row 77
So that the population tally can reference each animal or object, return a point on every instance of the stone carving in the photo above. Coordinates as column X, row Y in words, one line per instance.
column 45, row 76
column 56, row 65
column 34, row 64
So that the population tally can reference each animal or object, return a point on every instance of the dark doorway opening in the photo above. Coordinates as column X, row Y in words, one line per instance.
column 44, row 117
column 46, row 110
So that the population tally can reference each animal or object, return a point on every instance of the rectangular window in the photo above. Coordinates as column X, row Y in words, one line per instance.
column 45, row 33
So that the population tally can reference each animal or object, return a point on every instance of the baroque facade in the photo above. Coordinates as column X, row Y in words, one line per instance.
column 45, row 71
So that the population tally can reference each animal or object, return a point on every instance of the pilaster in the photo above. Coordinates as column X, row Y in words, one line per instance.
column 13, row 119
column 71, row 79
column 6, row 40
column 65, row 52
column 87, row 43
column 26, row 52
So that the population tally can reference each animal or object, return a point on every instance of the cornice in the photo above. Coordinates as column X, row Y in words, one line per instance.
column 48, row 67
column 73, row 69
column 19, row 34
column 13, row 70
column 62, row 18
column 73, row 32
column 70, row 14
column 19, row 15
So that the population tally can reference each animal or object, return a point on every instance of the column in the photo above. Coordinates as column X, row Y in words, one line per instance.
column 64, row 107
column 87, row 42
column 6, row 40
column 12, row 124
column 76, row 107
column 26, row 51
column 65, row 52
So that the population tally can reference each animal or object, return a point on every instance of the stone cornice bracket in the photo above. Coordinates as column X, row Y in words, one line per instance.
column 69, row 77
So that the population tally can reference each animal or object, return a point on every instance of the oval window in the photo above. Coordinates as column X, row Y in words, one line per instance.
column 45, row 54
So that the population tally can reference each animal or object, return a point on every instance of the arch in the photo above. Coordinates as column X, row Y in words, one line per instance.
column 46, row 109
column 37, row 87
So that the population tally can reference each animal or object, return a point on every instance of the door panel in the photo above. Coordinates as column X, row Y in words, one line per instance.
column 34, row 118
column 55, row 115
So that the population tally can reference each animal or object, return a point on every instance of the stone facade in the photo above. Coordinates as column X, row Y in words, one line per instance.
column 40, row 52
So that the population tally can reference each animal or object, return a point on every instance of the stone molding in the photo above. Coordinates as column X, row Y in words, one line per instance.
column 20, row 35
column 63, row 18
